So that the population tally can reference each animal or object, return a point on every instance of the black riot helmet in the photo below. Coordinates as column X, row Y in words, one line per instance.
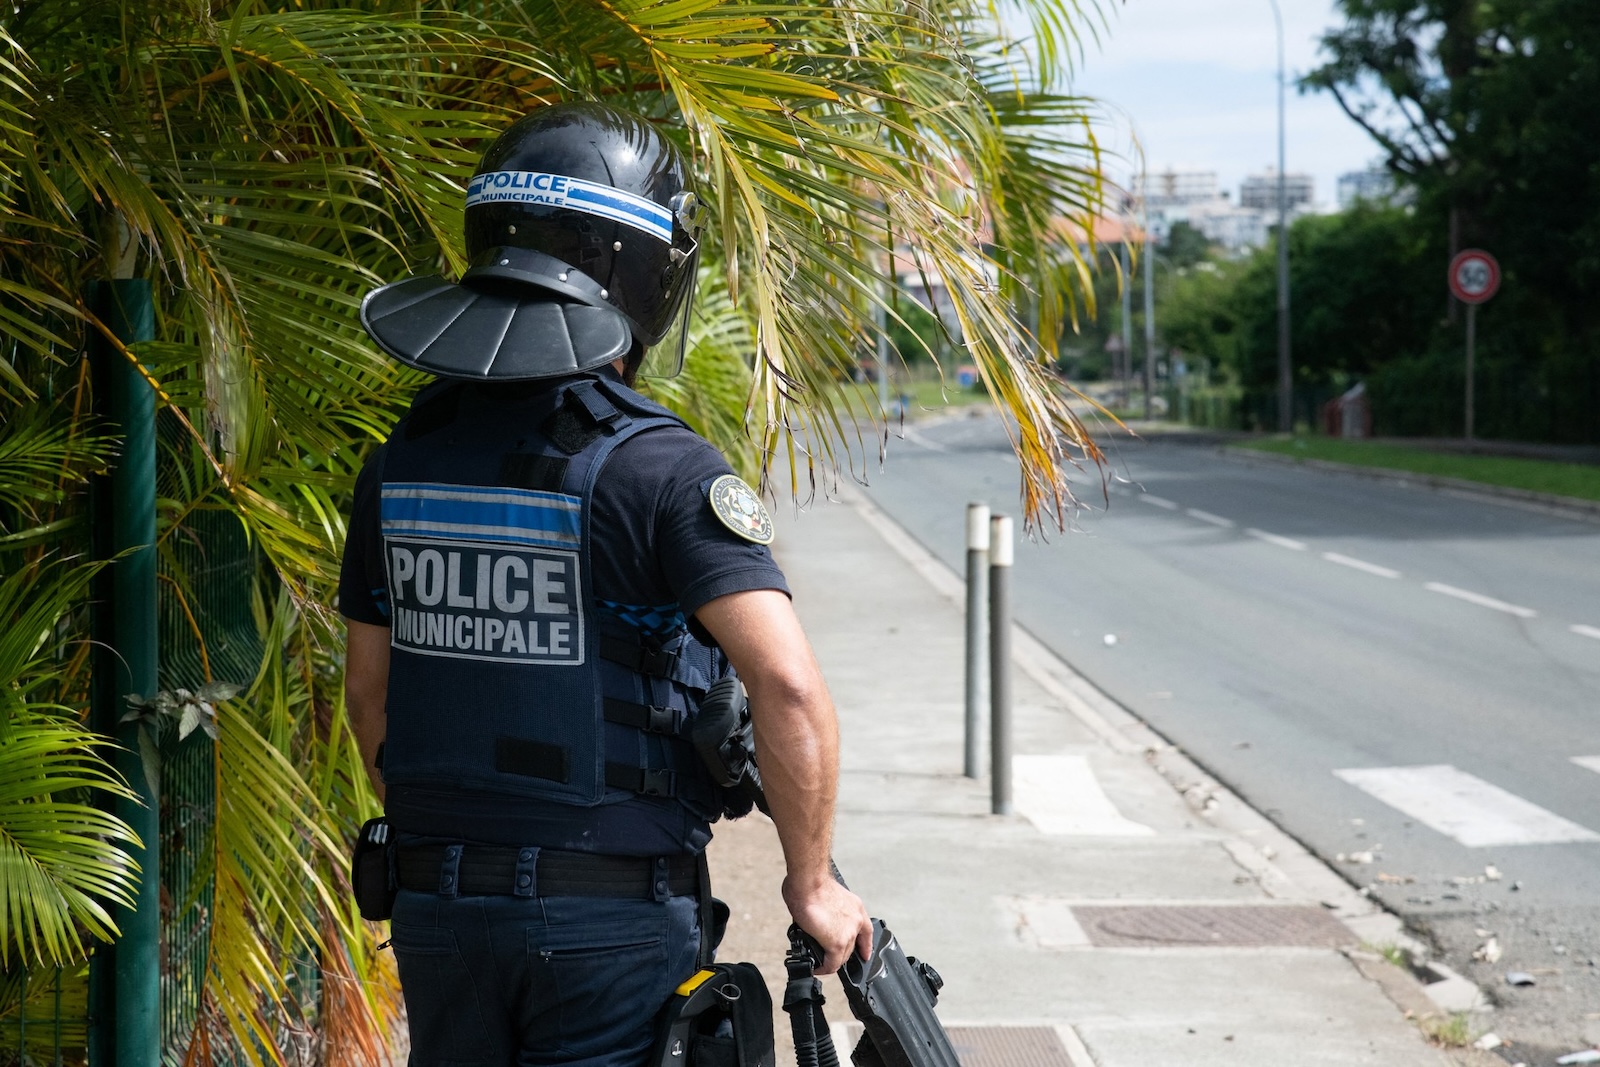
column 581, row 240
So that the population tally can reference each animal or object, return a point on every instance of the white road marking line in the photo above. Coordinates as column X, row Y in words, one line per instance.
column 1275, row 539
column 916, row 437
column 1206, row 516
column 1360, row 565
column 1591, row 762
column 1467, row 808
column 1481, row 600
column 1158, row 501
column 1586, row 631
column 1059, row 795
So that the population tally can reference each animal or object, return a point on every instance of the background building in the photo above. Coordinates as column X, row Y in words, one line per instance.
column 1374, row 183
column 1176, row 187
column 1196, row 197
column 1259, row 192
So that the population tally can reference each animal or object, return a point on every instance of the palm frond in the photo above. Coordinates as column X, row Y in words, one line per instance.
column 43, row 458
column 273, row 162
column 712, row 392
column 866, row 135
column 59, row 874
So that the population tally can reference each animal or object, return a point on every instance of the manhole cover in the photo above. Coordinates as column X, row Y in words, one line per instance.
column 1122, row 926
column 1008, row 1046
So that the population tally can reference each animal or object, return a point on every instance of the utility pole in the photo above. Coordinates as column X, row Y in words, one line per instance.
column 1125, row 358
column 882, row 355
column 1149, row 320
column 1285, row 378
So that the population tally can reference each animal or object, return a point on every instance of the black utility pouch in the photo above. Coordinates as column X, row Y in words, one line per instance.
column 372, row 871
column 720, row 1017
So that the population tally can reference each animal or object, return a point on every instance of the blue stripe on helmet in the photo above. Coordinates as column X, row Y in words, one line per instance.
column 575, row 194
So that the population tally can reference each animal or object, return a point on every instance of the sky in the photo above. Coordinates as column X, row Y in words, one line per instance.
column 1195, row 82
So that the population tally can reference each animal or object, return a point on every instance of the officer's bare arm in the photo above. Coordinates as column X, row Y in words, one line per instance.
column 366, row 687
column 797, row 741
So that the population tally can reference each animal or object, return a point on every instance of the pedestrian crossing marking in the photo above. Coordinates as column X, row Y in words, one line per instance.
column 1591, row 762
column 1462, row 806
column 1060, row 795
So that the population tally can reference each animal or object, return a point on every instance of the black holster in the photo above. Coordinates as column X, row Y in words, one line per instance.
column 725, row 739
column 891, row 994
column 372, row 871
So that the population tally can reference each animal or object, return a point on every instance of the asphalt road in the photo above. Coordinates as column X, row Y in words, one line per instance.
column 1381, row 669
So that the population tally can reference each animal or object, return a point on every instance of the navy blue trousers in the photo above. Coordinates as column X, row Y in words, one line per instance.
column 503, row 981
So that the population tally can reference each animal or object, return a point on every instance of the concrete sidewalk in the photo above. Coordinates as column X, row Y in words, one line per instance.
column 1132, row 912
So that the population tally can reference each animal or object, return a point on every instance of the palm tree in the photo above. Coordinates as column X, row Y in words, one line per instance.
column 263, row 164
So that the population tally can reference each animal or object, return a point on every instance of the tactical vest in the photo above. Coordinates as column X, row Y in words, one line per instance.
column 505, row 678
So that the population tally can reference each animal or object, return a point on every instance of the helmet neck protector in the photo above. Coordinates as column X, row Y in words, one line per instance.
column 581, row 237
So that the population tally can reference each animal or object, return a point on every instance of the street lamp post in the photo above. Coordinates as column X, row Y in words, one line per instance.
column 1149, row 319
column 1125, row 357
column 1285, row 380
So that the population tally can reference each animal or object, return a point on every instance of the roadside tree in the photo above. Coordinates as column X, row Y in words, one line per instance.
column 263, row 165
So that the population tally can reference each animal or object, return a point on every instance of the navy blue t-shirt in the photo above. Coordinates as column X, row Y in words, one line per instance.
column 658, row 554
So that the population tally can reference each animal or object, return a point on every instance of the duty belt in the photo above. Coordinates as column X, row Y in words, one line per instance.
column 489, row 870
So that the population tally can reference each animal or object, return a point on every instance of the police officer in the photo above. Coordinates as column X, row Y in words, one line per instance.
column 544, row 573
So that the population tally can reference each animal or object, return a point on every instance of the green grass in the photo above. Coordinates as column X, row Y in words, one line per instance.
column 929, row 396
column 1537, row 475
column 1452, row 1031
column 1393, row 953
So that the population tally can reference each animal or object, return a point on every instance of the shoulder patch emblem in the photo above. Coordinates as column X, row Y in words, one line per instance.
column 740, row 510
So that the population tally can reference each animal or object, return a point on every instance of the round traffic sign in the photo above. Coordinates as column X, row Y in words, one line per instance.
column 1474, row 276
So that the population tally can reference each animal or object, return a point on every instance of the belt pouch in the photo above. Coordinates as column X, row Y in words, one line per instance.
column 372, row 871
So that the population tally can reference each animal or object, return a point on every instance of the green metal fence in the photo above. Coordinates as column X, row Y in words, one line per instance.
column 212, row 561
column 44, row 1013
column 44, row 1016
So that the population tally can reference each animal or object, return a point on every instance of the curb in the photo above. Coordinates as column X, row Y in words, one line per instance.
column 1278, row 861
column 1565, row 507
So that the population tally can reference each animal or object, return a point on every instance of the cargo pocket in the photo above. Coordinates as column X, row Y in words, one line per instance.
column 610, row 979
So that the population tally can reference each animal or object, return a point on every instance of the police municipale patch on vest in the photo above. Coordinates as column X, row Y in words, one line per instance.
column 739, row 509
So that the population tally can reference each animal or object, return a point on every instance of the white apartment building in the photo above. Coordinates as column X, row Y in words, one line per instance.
column 1197, row 198
column 1259, row 192
column 1171, row 187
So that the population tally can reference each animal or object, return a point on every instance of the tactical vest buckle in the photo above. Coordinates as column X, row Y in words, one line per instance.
column 663, row 720
column 656, row 782
column 650, row 660
column 647, row 718
column 658, row 662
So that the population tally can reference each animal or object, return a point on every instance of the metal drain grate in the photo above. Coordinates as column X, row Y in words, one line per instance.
column 1123, row 926
column 1008, row 1046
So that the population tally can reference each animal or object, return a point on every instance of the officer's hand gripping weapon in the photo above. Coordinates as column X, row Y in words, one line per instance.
column 891, row 994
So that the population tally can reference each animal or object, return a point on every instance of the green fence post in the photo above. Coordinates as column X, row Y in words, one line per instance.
column 125, row 1010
